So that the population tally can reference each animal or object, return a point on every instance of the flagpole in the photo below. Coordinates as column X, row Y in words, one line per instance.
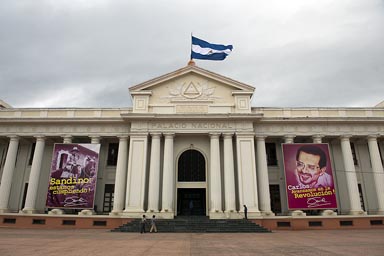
column 191, row 62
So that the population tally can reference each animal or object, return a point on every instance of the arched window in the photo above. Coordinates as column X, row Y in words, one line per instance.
column 191, row 166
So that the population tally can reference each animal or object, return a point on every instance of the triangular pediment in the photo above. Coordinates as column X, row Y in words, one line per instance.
column 191, row 89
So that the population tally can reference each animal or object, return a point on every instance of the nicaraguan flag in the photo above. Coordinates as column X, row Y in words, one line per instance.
column 205, row 51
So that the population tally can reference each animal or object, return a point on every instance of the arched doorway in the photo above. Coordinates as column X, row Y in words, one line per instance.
column 191, row 180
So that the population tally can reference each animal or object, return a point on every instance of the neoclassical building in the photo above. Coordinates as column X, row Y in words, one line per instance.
column 192, row 135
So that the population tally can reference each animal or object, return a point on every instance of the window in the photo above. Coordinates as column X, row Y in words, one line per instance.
column 354, row 154
column 361, row 197
column 274, row 193
column 108, row 198
column 191, row 166
column 112, row 154
column 270, row 148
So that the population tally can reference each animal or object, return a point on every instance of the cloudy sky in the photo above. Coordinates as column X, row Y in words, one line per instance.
column 86, row 53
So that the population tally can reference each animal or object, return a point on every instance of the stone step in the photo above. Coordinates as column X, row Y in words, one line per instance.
column 196, row 225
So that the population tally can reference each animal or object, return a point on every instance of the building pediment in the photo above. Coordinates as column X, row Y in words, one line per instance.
column 191, row 90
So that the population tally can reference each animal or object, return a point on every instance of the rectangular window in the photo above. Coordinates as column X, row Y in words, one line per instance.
column 108, row 197
column 361, row 197
column 270, row 149
column 274, row 192
column 354, row 154
column 112, row 154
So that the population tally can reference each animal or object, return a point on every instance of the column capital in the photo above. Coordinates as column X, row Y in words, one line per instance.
column 345, row 137
column 227, row 135
column 169, row 134
column 155, row 134
column 40, row 137
column 317, row 138
column 214, row 134
column 67, row 138
column 289, row 138
column 260, row 136
column 373, row 137
column 123, row 137
column 13, row 137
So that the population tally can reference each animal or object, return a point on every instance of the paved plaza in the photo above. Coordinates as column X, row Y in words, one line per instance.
column 15, row 242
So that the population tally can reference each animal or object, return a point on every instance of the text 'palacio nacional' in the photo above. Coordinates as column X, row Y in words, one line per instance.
column 192, row 136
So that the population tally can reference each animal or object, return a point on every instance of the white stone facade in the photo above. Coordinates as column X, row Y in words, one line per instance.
column 193, row 109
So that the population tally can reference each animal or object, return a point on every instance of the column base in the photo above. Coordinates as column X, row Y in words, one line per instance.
column 217, row 215
column 357, row 212
column 87, row 212
column 267, row 213
column 116, row 213
column 297, row 213
column 152, row 211
column 232, row 214
column 133, row 213
column 28, row 211
column 166, row 215
column 56, row 212
column 329, row 213
column 251, row 214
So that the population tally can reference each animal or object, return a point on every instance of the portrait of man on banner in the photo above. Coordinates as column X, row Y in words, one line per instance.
column 73, row 176
column 309, row 176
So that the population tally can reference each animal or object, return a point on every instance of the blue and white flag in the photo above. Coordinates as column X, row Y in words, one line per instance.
column 205, row 51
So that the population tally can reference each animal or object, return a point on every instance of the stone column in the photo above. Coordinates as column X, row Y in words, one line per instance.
column 121, row 176
column 94, row 140
column 215, row 177
column 34, row 176
column 67, row 139
column 289, row 138
column 6, row 179
column 229, row 175
column 136, row 177
column 299, row 213
column 317, row 138
column 378, row 172
column 246, row 167
column 154, row 174
column 168, row 198
column 353, row 190
column 262, row 177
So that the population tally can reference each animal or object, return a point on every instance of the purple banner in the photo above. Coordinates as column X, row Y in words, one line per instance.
column 73, row 177
column 309, row 176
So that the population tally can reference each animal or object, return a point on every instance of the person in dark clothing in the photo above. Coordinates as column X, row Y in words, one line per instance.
column 245, row 212
column 142, row 224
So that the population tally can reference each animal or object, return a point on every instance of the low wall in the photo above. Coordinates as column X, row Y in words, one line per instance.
column 313, row 223
column 45, row 221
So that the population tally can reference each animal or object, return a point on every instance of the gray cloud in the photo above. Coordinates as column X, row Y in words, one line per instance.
column 296, row 53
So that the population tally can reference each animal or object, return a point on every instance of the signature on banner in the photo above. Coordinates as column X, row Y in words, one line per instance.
column 74, row 201
column 317, row 201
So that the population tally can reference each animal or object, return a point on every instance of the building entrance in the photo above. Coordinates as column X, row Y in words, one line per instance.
column 191, row 202
column 191, row 186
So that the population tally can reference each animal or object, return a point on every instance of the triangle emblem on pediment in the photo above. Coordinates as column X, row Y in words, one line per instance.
column 191, row 90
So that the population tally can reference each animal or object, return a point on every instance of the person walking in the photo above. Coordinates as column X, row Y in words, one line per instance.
column 143, row 222
column 245, row 212
column 153, row 225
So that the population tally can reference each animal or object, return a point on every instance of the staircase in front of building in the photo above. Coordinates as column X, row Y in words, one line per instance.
column 196, row 224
